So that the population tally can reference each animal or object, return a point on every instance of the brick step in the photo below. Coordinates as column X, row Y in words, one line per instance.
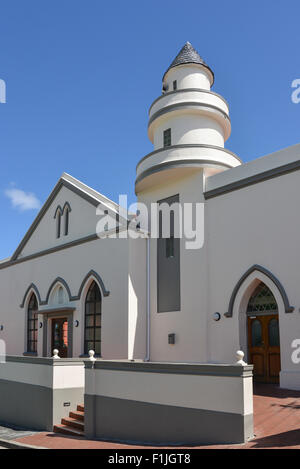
column 73, row 423
column 77, row 415
column 65, row 430
column 80, row 408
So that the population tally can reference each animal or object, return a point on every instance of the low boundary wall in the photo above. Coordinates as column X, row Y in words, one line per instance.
column 37, row 393
column 168, row 403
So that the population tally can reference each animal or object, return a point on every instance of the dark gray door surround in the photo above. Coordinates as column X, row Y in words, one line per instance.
column 57, row 313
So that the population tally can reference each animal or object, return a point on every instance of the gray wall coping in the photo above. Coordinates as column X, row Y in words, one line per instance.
column 44, row 361
column 174, row 368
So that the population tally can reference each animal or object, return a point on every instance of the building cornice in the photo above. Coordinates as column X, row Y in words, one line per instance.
column 255, row 179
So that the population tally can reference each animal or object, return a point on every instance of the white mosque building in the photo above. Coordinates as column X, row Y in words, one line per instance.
column 154, row 299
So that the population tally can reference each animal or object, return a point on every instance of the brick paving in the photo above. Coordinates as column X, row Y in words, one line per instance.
column 276, row 426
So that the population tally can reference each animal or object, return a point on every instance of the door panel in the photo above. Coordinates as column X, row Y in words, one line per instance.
column 264, row 347
column 60, row 336
column 258, row 360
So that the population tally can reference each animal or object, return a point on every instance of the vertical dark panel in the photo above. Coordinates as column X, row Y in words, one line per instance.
column 168, row 265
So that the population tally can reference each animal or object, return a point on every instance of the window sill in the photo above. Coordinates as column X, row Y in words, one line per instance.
column 30, row 354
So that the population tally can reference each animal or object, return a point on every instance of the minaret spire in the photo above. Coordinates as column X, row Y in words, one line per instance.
column 189, row 55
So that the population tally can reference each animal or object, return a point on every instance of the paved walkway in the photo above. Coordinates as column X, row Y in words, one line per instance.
column 276, row 421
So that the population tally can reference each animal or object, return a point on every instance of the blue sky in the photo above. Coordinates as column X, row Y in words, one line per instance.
column 81, row 75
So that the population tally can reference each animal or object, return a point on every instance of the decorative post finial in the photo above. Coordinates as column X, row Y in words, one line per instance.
column 55, row 354
column 92, row 356
column 240, row 358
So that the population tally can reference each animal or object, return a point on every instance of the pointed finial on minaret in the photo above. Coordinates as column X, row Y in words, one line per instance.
column 189, row 55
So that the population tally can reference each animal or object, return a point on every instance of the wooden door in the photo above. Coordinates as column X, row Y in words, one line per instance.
column 60, row 336
column 264, row 347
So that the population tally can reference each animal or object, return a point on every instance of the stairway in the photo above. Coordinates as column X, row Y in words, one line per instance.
column 72, row 425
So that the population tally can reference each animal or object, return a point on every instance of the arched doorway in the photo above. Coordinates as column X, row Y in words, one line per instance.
column 263, row 335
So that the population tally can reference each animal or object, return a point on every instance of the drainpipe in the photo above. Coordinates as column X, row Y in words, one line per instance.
column 147, row 358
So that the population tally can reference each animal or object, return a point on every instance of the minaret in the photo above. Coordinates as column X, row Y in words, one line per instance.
column 188, row 124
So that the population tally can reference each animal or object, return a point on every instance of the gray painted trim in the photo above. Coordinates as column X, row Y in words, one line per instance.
column 58, row 309
column 58, row 209
column 188, row 145
column 45, row 361
column 193, row 163
column 185, row 90
column 68, row 206
column 92, row 273
column 249, row 181
column 52, row 250
column 259, row 268
column 34, row 406
column 173, row 368
column 33, row 287
column 62, row 282
column 187, row 105
column 137, row 421
column 52, row 314
column 62, row 182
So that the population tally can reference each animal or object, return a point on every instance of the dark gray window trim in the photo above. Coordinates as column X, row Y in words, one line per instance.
column 187, row 105
column 91, row 274
column 187, row 90
column 58, row 210
column 259, row 268
column 188, row 145
column 66, row 214
column 58, row 280
column 94, row 274
column 32, row 287
column 264, row 176
column 194, row 163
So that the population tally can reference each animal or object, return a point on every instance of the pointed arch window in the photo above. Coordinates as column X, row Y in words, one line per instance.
column 66, row 215
column 32, row 324
column 58, row 216
column 92, row 329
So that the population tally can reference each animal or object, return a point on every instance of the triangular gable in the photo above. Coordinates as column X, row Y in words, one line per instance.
column 88, row 194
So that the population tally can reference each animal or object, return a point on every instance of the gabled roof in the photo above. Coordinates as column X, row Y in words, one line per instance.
column 188, row 55
column 84, row 191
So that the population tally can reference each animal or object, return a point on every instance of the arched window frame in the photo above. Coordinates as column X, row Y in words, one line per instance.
column 66, row 217
column 93, row 319
column 58, row 215
column 32, row 324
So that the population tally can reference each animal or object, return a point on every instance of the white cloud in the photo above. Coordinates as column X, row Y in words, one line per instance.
column 22, row 200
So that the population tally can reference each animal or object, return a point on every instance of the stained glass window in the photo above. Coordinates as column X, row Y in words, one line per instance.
column 262, row 300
